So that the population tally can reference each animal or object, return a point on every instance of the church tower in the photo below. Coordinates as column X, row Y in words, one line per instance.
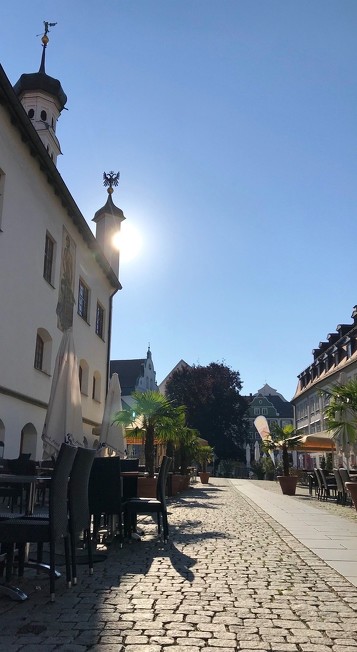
column 43, row 99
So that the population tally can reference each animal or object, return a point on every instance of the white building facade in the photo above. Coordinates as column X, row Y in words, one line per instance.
column 53, row 272
column 334, row 361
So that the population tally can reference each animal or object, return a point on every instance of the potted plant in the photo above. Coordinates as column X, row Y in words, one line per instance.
column 204, row 455
column 283, row 438
column 152, row 415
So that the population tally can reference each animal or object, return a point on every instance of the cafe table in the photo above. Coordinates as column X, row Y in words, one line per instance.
column 30, row 482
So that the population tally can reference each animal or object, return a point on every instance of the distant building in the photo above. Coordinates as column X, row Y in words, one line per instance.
column 54, row 273
column 180, row 365
column 137, row 375
column 267, row 402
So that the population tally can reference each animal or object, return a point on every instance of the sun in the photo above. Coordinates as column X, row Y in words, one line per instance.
column 129, row 242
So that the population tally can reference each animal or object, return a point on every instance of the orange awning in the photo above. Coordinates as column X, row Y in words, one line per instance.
column 316, row 444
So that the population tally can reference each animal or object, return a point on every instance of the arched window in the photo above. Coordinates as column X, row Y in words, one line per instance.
column 43, row 115
column 28, row 441
column 39, row 352
column 31, row 113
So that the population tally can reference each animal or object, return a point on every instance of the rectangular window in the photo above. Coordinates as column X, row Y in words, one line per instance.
column 265, row 411
column 39, row 353
column 48, row 259
column 256, row 411
column 83, row 300
column 99, row 321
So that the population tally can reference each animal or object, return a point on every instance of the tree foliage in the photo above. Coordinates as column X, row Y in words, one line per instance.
column 282, row 438
column 159, row 419
column 214, row 406
column 341, row 411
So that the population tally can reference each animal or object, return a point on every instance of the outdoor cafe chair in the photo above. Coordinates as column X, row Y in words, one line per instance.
column 15, row 493
column 329, row 485
column 52, row 530
column 135, row 506
column 341, row 491
column 105, row 496
column 345, row 477
column 78, row 505
column 320, row 488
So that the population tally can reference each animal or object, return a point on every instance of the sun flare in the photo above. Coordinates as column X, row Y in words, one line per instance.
column 129, row 242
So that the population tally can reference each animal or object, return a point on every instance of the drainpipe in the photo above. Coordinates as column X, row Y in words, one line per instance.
column 109, row 338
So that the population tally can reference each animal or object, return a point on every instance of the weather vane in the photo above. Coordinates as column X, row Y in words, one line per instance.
column 47, row 25
column 45, row 40
column 111, row 179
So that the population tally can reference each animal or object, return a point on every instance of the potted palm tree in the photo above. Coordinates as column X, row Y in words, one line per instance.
column 341, row 418
column 156, row 415
column 181, row 444
column 204, row 455
column 283, row 438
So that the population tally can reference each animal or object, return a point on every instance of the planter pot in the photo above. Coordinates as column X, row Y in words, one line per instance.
column 204, row 477
column 179, row 483
column 147, row 487
column 352, row 488
column 288, row 484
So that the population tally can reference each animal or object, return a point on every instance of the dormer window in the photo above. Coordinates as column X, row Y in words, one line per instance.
column 31, row 113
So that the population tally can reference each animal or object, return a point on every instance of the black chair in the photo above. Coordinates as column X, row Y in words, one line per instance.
column 130, row 484
column 78, row 505
column 135, row 506
column 341, row 491
column 345, row 477
column 15, row 493
column 105, row 496
column 320, row 487
column 50, row 530
column 329, row 485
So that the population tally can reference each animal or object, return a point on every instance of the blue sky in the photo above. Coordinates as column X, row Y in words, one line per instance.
column 233, row 125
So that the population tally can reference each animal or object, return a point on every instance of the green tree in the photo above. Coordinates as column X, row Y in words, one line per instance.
column 341, row 411
column 204, row 456
column 158, row 417
column 181, row 442
column 214, row 406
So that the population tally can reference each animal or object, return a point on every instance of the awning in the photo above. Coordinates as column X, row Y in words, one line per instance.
column 323, row 443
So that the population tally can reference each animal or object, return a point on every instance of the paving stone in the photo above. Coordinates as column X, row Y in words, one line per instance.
column 231, row 579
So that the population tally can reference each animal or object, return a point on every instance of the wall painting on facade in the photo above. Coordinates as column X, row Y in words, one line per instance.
column 66, row 298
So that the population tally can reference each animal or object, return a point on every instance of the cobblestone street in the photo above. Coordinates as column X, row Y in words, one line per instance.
column 226, row 581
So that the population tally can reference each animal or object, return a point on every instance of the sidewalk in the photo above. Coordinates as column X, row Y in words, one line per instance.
column 231, row 579
column 326, row 532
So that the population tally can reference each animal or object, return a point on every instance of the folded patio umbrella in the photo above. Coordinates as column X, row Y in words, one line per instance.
column 64, row 413
column 113, row 435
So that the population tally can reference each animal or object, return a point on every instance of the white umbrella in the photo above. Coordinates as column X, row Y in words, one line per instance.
column 113, row 435
column 256, row 452
column 64, row 413
column 247, row 455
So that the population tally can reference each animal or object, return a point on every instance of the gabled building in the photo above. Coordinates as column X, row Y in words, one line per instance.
column 54, row 273
column 180, row 365
column 136, row 375
column 273, row 406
